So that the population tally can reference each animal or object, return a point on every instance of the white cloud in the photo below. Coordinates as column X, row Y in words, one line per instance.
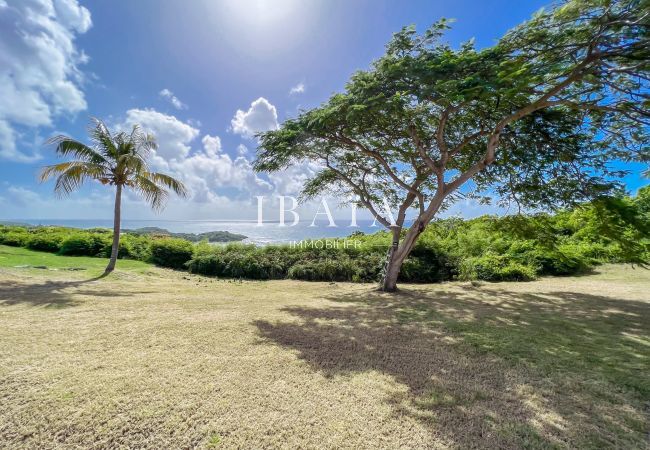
column 8, row 148
column 208, row 170
column 39, row 75
column 22, row 197
column 211, row 145
column 291, row 180
column 261, row 116
column 73, row 14
column 175, row 101
column 173, row 136
column 205, row 171
column 297, row 89
column 222, row 184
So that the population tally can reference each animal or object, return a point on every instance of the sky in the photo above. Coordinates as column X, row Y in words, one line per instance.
column 203, row 76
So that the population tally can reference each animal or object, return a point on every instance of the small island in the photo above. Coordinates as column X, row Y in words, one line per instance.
column 210, row 236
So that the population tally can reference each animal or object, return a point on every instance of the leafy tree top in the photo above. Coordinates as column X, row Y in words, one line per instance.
column 536, row 119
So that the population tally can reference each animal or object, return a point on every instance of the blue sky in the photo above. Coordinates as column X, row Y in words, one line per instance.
column 201, row 74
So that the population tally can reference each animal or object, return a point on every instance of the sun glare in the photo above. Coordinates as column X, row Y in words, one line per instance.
column 262, row 27
column 263, row 13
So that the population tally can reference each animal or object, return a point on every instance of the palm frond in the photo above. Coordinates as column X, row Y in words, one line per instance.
column 104, row 141
column 143, row 141
column 149, row 142
column 66, row 146
column 132, row 163
column 167, row 181
column 72, row 174
column 155, row 195
column 118, row 158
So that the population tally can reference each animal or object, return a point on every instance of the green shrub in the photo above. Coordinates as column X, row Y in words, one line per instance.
column 45, row 242
column 282, row 261
column 250, row 266
column 211, row 265
column 324, row 270
column 516, row 272
column 84, row 244
column 171, row 252
column 598, row 252
column 130, row 247
column 562, row 261
column 239, row 261
column 428, row 263
column 14, row 238
column 492, row 267
column 368, row 267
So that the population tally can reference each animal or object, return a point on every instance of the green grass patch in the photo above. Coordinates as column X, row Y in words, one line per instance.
column 30, row 260
column 214, row 441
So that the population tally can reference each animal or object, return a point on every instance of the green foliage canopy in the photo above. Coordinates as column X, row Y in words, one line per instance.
column 536, row 119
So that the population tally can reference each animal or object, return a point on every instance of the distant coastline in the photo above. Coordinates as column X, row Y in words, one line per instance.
column 270, row 232
column 210, row 236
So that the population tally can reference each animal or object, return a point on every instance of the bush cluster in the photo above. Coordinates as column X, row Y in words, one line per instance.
column 171, row 252
column 76, row 242
column 84, row 244
column 516, row 248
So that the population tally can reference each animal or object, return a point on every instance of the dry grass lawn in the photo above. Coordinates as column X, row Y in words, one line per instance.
column 160, row 359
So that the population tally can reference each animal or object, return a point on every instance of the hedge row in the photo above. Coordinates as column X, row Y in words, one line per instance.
column 488, row 248
column 76, row 242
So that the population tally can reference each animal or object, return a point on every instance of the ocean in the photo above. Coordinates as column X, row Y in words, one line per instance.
column 267, row 233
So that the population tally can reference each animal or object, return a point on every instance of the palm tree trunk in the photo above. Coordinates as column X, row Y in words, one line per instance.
column 116, row 230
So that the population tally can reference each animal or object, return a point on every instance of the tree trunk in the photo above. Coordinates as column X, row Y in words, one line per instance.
column 398, row 253
column 400, row 250
column 395, row 258
column 116, row 230
column 389, row 283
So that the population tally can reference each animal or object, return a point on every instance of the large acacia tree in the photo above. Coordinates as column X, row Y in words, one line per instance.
column 535, row 120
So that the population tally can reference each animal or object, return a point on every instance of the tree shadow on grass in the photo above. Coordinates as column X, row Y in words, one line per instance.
column 489, row 368
column 55, row 294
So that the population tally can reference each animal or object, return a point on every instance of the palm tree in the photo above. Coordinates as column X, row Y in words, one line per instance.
column 118, row 159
